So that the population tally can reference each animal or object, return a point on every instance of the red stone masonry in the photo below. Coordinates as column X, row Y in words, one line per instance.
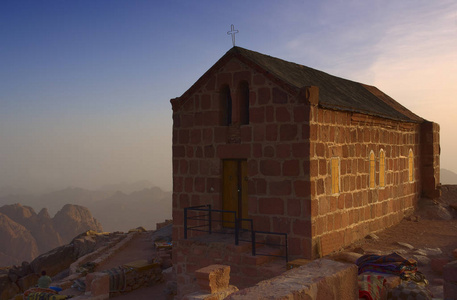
column 288, row 145
column 358, row 209
column 274, row 143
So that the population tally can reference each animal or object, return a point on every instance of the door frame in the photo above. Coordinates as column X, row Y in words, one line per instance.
column 240, row 205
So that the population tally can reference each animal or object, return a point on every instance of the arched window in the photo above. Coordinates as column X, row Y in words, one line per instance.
column 410, row 165
column 335, row 164
column 225, row 99
column 382, row 168
column 372, row 170
column 243, row 91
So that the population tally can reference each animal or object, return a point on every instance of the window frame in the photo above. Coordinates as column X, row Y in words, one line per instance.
column 243, row 102
column 335, row 169
column 410, row 165
column 226, row 105
column 372, row 170
column 382, row 168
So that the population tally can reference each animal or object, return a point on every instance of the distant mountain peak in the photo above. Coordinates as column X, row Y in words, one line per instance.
column 44, row 214
column 18, row 212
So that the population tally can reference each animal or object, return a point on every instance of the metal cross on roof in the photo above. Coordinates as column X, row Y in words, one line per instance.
column 233, row 32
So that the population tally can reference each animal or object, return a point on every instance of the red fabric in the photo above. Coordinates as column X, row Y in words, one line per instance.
column 371, row 287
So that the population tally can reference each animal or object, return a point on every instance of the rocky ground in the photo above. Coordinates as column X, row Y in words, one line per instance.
column 140, row 247
column 429, row 236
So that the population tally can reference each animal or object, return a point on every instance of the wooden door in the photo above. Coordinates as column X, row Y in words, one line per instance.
column 235, row 191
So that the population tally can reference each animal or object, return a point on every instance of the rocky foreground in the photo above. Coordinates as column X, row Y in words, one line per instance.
column 57, row 262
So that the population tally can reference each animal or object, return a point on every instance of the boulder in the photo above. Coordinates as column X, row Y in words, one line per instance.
column 4, row 281
column 83, row 245
column 406, row 245
column 437, row 264
column 450, row 280
column 8, row 289
column 24, row 283
column 55, row 260
column 422, row 260
column 450, row 272
column 432, row 251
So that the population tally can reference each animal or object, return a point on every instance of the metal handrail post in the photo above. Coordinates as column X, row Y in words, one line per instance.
column 236, row 230
column 252, row 238
column 209, row 218
column 287, row 251
column 185, row 223
column 253, row 243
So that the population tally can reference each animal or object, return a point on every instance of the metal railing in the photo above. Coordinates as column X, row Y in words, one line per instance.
column 206, row 225
column 286, row 248
column 208, row 222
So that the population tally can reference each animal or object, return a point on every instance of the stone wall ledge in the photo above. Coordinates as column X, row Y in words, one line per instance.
column 320, row 279
column 103, row 253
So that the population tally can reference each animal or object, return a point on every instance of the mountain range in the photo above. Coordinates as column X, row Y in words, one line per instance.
column 115, row 210
column 24, row 234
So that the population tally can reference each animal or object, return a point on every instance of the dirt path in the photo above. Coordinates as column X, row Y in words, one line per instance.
column 140, row 247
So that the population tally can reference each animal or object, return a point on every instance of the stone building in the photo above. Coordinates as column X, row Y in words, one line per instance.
column 321, row 158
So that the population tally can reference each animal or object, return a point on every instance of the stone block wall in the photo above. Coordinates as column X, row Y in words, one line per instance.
column 320, row 279
column 430, row 159
column 245, row 270
column 275, row 144
column 338, row 219
column 288, row 145
column 98, row 283
column 138, row 278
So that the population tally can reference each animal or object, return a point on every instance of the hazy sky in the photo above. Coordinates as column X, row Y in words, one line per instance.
column 85, row 84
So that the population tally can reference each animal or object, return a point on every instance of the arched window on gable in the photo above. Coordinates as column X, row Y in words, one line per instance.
column 243, row 92
column 372, row 170
column 225, row 101
column 410, row 165
column 382, row 168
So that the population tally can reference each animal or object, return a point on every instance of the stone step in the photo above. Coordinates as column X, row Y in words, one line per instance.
column 263, row 255
column 245, row 246
column 241, row 247
column 250, row 275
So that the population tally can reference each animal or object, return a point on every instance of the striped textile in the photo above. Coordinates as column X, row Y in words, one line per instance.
column 388, row 264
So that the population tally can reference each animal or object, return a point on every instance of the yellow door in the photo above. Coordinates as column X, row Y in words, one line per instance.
column 235, row 191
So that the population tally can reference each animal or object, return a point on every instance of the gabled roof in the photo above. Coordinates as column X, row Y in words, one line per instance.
column 334, row 92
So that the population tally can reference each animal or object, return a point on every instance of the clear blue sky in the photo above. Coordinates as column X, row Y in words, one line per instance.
column 85, row 84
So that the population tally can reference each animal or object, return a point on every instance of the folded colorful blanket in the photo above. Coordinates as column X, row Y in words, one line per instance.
column 388, row 264
column 39, row 290
column 45, row 296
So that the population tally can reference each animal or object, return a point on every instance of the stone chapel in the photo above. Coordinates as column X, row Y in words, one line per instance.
column 323, row 159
